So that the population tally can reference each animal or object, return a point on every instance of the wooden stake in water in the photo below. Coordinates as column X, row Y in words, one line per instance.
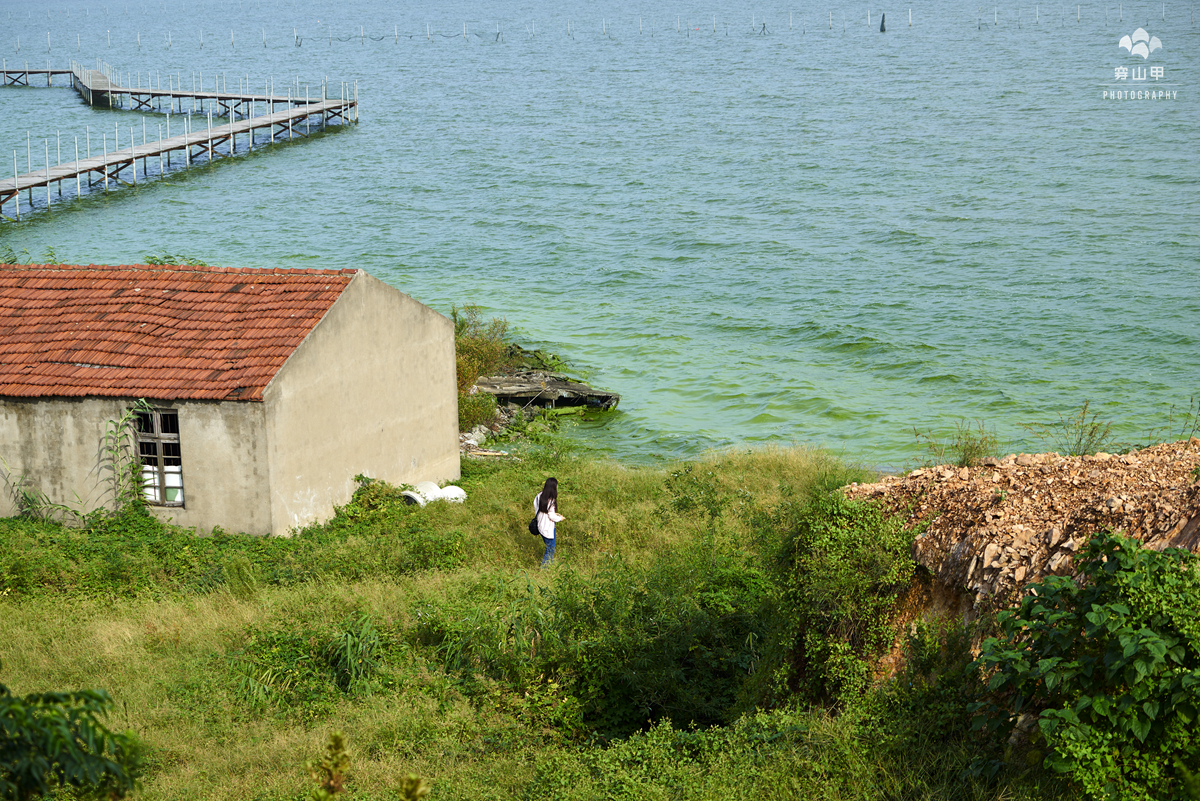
column 78, row 191
column 18, row 194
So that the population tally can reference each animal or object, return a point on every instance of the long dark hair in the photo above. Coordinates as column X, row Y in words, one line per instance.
column 549, row 496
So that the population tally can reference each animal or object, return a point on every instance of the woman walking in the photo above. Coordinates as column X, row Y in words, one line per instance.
column 545, row 508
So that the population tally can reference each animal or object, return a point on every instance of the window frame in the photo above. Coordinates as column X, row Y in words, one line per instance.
column 158, row 439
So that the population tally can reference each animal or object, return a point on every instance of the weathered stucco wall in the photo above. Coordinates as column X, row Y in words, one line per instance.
column 371, row 390
column 58, row 445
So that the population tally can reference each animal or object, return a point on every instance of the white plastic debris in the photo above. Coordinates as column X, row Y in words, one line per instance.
column 424, row 492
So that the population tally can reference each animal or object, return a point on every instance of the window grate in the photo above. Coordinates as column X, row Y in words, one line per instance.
column 161, row 458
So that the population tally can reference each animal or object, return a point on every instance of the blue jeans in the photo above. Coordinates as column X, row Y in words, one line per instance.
column 549, row 554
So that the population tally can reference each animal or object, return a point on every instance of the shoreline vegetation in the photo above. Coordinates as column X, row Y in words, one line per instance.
column 731, row 627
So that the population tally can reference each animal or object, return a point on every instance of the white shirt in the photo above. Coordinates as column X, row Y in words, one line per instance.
column 545, row 522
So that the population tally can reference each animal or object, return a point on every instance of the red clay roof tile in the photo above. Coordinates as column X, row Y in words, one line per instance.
column 154, row 331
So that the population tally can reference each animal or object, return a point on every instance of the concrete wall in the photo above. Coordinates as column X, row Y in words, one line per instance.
column 58, row 444
column 371, row 390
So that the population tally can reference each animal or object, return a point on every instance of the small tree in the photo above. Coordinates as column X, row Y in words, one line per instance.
column 1109, row 667
column 53, row 740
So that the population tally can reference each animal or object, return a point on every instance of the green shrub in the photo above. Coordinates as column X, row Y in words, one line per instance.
column 377, row 534
column 474, row 409
column 841, row 573
column 631, row 644
column 354, row 654
column 480, row 348
column 1109, row 667
column 54, row 740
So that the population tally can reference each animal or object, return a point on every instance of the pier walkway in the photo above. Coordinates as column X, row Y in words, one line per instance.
column 120, row 166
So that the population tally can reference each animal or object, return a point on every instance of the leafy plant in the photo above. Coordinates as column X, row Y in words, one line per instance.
column 970, row 444
column 54, row 740
column 119, row 457
column 10, row 256
column 170, row 260
column 1077, row 435
column 30, row 501
column 1108, row 667
column 841, row 572
column 354, row 654
column 329, row 772
column 475, row 408
column 413, row 788
column 481, row 348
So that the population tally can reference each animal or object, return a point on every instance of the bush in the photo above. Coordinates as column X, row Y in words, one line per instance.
column 1109, row 668
column 53, row 740
column 841, row 574
column 480, row 348
column 474, row 409
column 630, row 644
column 375, row 534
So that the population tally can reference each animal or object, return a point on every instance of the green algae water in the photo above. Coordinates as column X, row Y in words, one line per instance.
column 757, row 224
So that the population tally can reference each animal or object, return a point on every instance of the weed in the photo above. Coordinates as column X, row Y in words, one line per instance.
column 970, row 444
column 330, row 771
column 480, row 348
column 354, row 654
column 30, row 501
column 170, row 260
column 1077, row 435
column 413, row 788
column 476, row 408
column 841, row 573
column 10, row 256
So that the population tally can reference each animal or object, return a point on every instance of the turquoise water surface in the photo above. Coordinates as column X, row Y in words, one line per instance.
column 810, row 232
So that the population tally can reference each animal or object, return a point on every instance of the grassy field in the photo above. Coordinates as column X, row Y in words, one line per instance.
column 652, row 661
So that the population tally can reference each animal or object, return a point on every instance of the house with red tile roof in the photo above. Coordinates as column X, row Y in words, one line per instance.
column 265, row 391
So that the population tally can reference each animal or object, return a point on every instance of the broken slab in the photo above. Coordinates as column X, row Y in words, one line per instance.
column 545, row 389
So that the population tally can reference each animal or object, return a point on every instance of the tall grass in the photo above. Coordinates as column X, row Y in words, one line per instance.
column 485, row 675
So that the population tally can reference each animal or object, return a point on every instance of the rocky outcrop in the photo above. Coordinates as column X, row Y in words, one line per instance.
column 995, row 528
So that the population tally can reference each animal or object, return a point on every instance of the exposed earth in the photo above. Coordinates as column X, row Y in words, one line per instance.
column 1011, row 521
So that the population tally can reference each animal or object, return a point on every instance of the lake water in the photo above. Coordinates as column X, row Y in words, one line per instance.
column 806, row 232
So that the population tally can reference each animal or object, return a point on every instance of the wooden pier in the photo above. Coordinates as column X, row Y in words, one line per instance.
column 21, row 77
column 120, row 166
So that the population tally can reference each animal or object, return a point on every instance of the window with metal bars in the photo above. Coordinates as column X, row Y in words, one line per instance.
column 162, row 463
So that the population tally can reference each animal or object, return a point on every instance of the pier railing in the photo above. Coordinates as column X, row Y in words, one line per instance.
column 249, row 117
